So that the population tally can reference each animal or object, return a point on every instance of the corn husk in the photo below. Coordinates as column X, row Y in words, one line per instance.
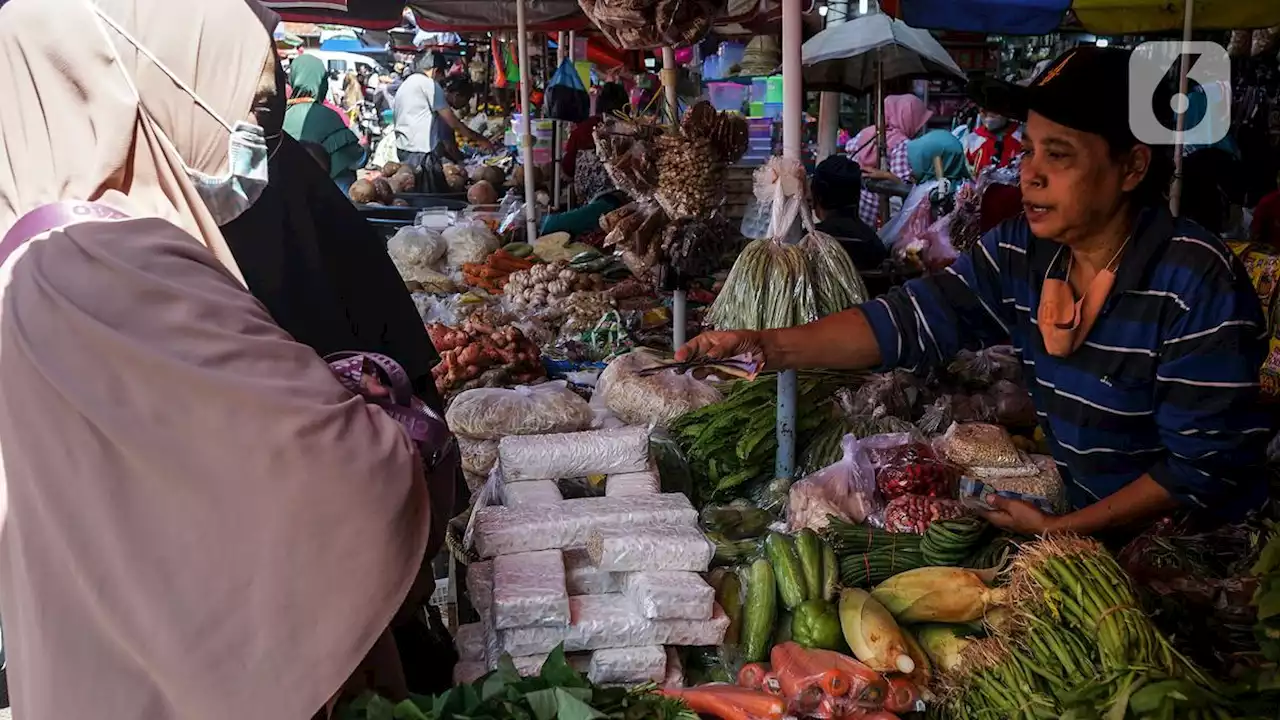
column 937, row 594
column 872, row 633
column 944, row 645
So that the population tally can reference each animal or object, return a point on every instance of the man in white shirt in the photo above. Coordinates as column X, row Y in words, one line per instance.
column 419, row 105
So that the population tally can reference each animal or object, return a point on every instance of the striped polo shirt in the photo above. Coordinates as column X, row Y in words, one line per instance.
column 1166, row 382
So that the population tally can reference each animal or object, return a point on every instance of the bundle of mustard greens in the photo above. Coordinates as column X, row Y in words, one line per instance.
column 1074, row 644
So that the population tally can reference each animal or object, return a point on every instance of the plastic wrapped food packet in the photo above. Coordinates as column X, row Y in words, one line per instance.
column 675, row 670
column 529, row 590
column 501, row 530
column 530, row 665
column 915, row 513
column 533, row 492
column 480, row 589
column 582, row 577
column 669, row 595
column 627, row 484
column 656, row 547
column 628, row 665
column 845, row 489
column 978, row 445
column 580, row 454
column 469, row 642
column 907, row 467
column 609, row 621
column 655, row 399
column 478, row 456
column 466, row 672
column 494, row 413
column 1043, row 488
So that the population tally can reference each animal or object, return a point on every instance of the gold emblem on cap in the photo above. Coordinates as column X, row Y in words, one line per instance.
column 1054, row 71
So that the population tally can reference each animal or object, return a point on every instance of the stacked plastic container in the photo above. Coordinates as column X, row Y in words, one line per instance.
column 615, row 579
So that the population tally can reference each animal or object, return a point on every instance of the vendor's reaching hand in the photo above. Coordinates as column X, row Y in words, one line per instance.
column 1017, row 516
column 878, row 174
column 722, row 346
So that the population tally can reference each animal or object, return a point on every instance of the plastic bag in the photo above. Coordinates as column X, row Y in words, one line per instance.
column 671, row 547
column 433, row 309
column 566, row 99
column 569, row 455
column 895, row 394
column 907, row 467
column 936, row 251
column 529, row 590
column 628, row 665
column 846, row 490
column 983, row 368
column 1014, row 406
column 469, row 242
column 498, row 530
column 494, row 413
column 915, row 513
column 478, row 456
column 533, row 492
column 669, row 595
column 415, row 251
column 653, row 399
column 821, row 683
column 912, row 220
column 979, row 445
column 609, row 621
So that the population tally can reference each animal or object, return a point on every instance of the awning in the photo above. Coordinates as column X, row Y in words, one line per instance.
column 1101, row 17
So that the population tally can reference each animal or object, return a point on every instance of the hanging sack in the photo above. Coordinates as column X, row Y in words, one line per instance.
column 567, row 98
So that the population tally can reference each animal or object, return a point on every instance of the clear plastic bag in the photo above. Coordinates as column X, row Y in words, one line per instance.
column 494, row 413
column 478, row 456
column 905, row 466
column 895, row 394
column 414, row 249
column 1014, row 406
column 979, row 445
column 529, row 590
column 982, row 368
column 569, row 455
column 653, row 399
column 469, row 642
column 846, row 490
column 915, row 513
column 531, row 492
column 650, row 548
column 823, row 684
column 912, row 220
column 669, row 595
column 469, row 242
column 626, row 484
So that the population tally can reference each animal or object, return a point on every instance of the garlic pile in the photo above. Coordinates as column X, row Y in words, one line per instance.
column 540, row 286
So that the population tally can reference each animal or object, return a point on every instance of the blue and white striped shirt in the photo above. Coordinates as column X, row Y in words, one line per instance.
column 1166, row 382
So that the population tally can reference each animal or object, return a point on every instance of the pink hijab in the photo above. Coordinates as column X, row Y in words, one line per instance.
column 904, row 117
column 197, row 520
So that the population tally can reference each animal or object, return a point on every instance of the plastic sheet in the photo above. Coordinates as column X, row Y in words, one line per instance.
column 651, row 399
column 621, row 548
column 478, row 456
column 845, row 489
column 628, row 665
column 979, row 445
column 582, row 577
column 494, row 413
column 529, row 590
column 533, row 492
column 469, row 642
column 609, row 621
column 502, row 530
column 629, row 484
column 568, row 455
column 669, row 595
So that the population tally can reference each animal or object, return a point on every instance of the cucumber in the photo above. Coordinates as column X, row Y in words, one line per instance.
column 830, row 573
column 729, row 595
column 809, row 550
column 786, row 569
column 760, row 613
column 519, row 249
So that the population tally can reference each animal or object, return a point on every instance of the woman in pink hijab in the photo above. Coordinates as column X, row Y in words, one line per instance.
column 905, row 116
column 197, row 519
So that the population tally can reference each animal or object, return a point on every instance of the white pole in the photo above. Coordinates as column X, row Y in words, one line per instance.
column 669, row 78
column 829, row 102
column 526, row 124
column 1175, row 190
column 792, row 132
column 558, row 147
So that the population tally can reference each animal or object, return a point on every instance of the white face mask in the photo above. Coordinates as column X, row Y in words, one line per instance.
column 226, row 196
column 994, row 122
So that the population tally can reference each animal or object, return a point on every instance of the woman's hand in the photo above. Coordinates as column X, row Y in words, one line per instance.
column 1018, row 516
column 723, row 345
column 878, row 174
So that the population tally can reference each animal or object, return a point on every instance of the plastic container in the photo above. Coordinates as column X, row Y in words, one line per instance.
column 730, row 54
column 759, row 89
column 773, row 93
column 759, row 127
column 712, row 68
column 755, row 110
column 773, row 110
column 727, row 96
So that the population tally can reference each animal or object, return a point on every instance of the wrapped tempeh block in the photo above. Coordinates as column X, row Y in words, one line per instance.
column 669, row 595
column 621, row 548
column 529, row 590
column 502, row 530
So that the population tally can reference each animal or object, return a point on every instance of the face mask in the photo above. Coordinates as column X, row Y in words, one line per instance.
column 1063, row 320
column 226, row 196
column 994, row 122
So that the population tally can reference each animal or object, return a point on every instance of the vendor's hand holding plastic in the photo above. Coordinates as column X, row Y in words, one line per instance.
column 1017, row 516
column 723, row 345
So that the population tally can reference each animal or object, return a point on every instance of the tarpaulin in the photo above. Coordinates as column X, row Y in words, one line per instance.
column 1101, row 17
column 1002, row 17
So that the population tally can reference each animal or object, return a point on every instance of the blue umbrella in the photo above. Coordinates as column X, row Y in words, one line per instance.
column 1003, row 17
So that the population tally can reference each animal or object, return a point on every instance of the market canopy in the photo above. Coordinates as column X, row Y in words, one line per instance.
column 1101, row 17
column 844, row 57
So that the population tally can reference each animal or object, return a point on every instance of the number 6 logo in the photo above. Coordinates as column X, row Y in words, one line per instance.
column 1155, row 102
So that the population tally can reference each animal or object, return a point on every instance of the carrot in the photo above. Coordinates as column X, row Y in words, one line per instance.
column 730, row 702
column 752, row 676
column 903, row 695
column 835, row 683
column 511, row 264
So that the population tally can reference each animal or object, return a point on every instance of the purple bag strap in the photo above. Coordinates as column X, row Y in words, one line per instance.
column 51, row 216
column 420, row 421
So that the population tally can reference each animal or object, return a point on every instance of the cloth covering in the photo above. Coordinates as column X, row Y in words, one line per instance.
column 198, row 520
column 904, row 117
column 937, row 144
column 308, row 120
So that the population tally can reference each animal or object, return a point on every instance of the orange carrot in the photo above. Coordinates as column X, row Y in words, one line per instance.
column 752, row 676
column 903, row 695
column 730, row 702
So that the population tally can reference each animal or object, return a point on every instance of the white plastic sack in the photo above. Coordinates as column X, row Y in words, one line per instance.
column 570, row 455
column 629, row 484
column 501, row 530
column 415, row 251
column 469, row 242
column 494, row 413
column 529, row 590
column 669, row 595
column 533, row 492
column 628, row 665
column 652, row 399
column 656, row 547
column 609, row 621
column 582, row 577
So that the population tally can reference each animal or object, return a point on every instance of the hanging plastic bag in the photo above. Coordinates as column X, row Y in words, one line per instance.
column 567, row 99
column 913, row 219
column 846, row 490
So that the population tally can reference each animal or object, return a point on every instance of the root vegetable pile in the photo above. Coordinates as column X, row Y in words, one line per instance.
column 493, row 273
column 482, row 356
